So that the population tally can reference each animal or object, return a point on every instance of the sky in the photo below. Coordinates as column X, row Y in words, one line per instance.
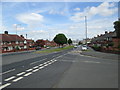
column 43, row 20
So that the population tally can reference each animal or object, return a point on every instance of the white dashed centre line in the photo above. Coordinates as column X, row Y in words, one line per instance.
column 17, row 79
column 35, row 70
column 28, row 74
column 40, row 64
column 20, row 73
column 9, row 78
column 35, row 67
column 29, row 70
column 5, row 85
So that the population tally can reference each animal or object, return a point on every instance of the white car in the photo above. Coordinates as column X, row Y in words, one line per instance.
column 84, row 47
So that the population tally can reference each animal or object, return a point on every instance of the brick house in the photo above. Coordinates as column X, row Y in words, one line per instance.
column 12, row 42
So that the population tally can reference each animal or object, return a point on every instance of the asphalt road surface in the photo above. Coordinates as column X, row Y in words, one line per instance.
column 66, row 69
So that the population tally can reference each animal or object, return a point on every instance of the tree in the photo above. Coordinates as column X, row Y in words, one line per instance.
column 69, row 41
column 40, row 43
column 79, row 43
column 117, row 28
column 60, row 39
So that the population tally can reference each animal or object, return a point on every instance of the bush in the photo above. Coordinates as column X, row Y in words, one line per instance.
column 97, row 48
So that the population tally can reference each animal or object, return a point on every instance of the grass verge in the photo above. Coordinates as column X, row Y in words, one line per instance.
column 55, row 50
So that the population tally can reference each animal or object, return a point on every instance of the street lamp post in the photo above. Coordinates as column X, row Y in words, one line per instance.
column 16, row 26
column 86, row 28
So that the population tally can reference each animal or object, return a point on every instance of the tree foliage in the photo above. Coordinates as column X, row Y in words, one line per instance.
column 60, row 39
column 69, row 41
column 117, row 28
column 40, row 43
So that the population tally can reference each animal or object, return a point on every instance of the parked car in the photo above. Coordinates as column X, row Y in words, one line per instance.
column 84, row 47
column 75, row 46
column 37, row 48
column 48, row 47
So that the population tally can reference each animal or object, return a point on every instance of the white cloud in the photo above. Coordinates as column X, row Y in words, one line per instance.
column 77, row 9
column 30, row 18
column 104, row 9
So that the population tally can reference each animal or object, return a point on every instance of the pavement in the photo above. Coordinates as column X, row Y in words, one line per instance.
column 103, row 55
column 66, row 69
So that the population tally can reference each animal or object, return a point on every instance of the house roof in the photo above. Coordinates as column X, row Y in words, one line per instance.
column 10, row 37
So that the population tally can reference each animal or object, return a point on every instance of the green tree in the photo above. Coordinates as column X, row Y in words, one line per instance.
column 117, row 28
column 79, row 43
column 69, row 41
column 60, row 39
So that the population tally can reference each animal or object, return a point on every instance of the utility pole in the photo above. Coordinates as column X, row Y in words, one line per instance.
column 86, row 28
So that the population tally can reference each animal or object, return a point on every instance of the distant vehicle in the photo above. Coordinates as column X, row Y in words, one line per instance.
column 84, row 47
column 47, row 47
column 75, row 46
column 37, row 48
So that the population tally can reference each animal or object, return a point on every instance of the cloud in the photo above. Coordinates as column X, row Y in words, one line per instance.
column 104, row 9
column 30, row 18
column 77, row 9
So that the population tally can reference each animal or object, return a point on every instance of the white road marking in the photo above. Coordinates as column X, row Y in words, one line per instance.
column 44, row 62
column 20, row 73
column 91, row 62
column 46, row 65
column 35, row 67
column 35, row 70
column 37, row 61
column 17, row 79
column 49, row 63
column 9, row 78
column 7, row 71
column 40, row 64
column 0, row 83
column 29, row 70
column 3, row 86
column 41, row 67
column 28, row 74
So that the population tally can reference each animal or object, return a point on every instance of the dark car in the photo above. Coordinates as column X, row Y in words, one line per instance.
column 37, row 48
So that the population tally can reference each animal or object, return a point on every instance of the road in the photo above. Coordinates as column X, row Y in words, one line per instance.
column 66, row 69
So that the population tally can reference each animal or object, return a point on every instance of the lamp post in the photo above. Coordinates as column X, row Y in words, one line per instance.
column 16, row 26
column 86, row 28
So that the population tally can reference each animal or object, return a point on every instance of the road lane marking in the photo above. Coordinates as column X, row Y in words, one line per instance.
column 44, row 62
column 0, row 83
column 17, row 79
column 28, row 74
column 91, row 62
column 41, row 67
column 40, row 64
column 37, row 61
column 29, row 70
column 46, row 65
column 9, row 78
column 7, row 71
column 3, row 86
column 35, row 67
column 35, row 70
column 20, row 73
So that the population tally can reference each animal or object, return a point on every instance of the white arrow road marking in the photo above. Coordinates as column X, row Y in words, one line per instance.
column 9, row 78
column 17, row 79
column 3, row 86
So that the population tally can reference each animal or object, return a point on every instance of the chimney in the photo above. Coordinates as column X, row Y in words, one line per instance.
column 22, row 36
column 6, row 32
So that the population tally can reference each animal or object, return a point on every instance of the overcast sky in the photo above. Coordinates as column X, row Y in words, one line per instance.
column 43, row 20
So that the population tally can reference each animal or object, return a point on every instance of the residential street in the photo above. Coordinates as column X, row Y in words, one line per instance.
column 65, row 69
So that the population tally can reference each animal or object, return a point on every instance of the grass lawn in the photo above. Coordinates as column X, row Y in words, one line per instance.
column 55, row 50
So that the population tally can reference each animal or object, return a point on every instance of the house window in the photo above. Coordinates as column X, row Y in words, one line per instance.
column 16, row 42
